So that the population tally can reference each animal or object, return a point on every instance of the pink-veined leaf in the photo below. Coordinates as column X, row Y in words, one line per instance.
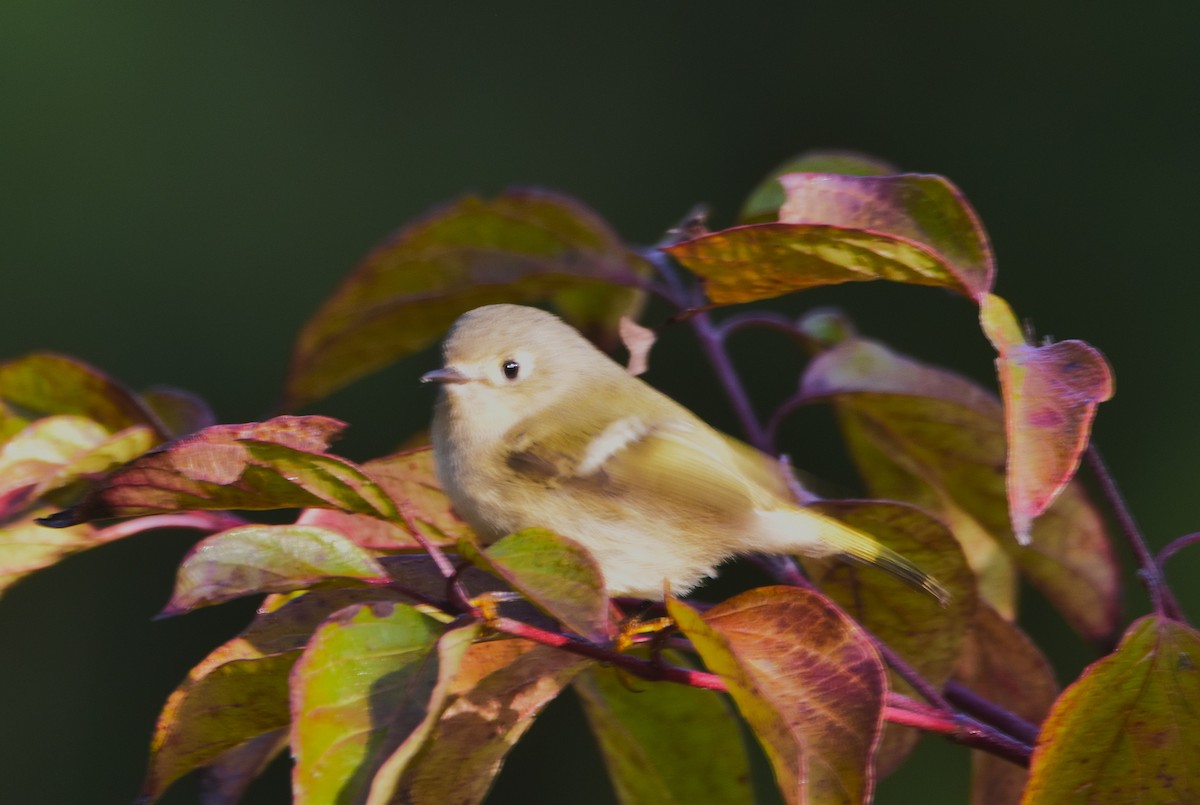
column 1001, row 664
column 929, row 635
column 763, row 203
column 277, row 464
column 266, row 559
column 501, row 687
column 806, row 679
column 44, row 384
column 410, row 479
column 932, row 438
column 1128, row 730
column 665, row 743
column 523, row 246
column 555, row 573
column 1050, row 398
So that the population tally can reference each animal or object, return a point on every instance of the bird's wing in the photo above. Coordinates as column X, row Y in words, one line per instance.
column 677, row 465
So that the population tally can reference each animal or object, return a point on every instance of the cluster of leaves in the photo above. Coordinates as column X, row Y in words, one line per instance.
column 372, row 658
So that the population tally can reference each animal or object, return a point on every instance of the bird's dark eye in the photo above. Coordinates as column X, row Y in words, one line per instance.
column 511, row 369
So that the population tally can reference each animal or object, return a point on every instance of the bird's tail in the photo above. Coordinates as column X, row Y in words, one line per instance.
column 812, row 534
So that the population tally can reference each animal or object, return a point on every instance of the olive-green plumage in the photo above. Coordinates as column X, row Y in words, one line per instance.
column 536, row 427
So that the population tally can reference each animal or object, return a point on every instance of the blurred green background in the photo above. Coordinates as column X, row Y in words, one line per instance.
column 181, row 185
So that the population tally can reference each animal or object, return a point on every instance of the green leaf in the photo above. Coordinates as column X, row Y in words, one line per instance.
column 200, row 724
column 932, row 438
column 806, row 679
column 43, row 384
column 410, row 479
column 1050, row 398
column 765, row 200
column 364, row 683
column 523, row 246
column 262, row 465
column 926, row 633
column 266, row 558
column 26, row 547
column 501, row 687
column 555, row 573
column 1001, row 664
column 235, row 701
column 62, row 451
column 665, row 743
column 1128, row 730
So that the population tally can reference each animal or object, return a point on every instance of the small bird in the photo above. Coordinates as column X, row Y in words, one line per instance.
column 534, row 426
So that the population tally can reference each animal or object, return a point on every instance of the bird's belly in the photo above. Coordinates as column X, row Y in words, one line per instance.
column 638, row 552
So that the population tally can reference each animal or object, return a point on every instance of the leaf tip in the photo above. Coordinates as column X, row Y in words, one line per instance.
column 63, row 519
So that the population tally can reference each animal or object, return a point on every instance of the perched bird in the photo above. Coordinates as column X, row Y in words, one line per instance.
column 534, row 426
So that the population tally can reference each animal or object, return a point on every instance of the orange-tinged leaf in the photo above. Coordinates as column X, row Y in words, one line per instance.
column 665, row 743
column 762, row 261
column 266, row 558
column 764, row 201
column 806, row 679
column 930, row 437
column 1128, row 730
column 275, row 464
column 410, row 479
column 1050, row 398
column 365, row 682
column 1001, row 664
column 501, row 687
column 523, row 246
column 926, row 633
column 555, row 573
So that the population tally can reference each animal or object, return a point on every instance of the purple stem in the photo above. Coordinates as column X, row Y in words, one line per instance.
column 713, row 343
column 1149, row 572
column 970, row 701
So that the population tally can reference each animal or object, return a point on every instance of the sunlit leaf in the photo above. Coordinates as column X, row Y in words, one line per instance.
column 199, row 724
column 555, row 573
column 26, row 547
column 923, row 210
column 1001, row 664
column 180, row 411
column 363, row 685
column 927, row 634
column 933, row 438
column 264, row 465
column 500, row 689
column 806, row 679
column 523, row 246
column 1050, row 398
column 62, row 451
column 43, row 384
column 266, row 558
column 1128, row 730
column 765, row 200
column 833, row 229
column 410, row 479
column 665, row 743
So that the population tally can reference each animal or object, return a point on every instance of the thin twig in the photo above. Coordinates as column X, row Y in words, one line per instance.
column 1160, row 594
column 966, row 699
column 900, row 709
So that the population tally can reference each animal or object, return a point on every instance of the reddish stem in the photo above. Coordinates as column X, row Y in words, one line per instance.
column 212, row 521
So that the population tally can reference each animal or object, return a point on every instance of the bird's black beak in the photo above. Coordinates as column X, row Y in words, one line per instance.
column 446, row 375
